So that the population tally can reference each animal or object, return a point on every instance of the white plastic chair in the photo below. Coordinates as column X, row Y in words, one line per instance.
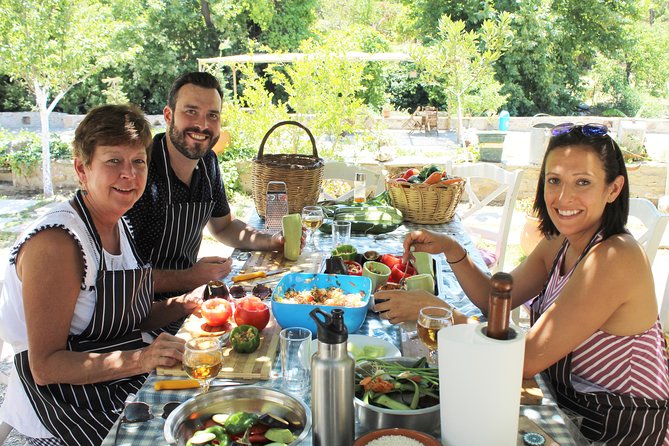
column 336, row 170
column 664, row 309
column 475, row 219
column 654, row 221
column 5, row 430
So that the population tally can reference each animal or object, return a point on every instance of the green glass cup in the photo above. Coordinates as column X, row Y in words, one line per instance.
column 420, row 282
column 377, row 272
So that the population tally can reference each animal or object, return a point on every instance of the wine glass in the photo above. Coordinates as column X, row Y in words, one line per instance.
column 203, row 359
column 430, row 321
column 312, row 219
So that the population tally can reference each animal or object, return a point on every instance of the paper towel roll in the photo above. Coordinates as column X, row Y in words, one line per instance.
column 479, row 382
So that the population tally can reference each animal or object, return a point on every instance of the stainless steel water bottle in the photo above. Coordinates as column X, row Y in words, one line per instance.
column 332, row 371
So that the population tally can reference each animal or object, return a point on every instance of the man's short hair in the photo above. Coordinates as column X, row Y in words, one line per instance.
column 198, row 78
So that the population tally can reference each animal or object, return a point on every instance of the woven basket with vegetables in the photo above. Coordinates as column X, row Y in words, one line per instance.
column 427, row 196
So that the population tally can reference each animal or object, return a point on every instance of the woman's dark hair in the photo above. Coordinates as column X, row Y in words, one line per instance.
column 616, row 212
column 197, row 78
column 111, row 125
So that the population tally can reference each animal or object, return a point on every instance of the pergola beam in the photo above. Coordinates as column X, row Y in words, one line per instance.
column 233, row 61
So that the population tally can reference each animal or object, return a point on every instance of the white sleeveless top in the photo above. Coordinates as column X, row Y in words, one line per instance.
column 17, row 410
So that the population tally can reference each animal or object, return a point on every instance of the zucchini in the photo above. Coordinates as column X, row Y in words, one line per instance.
column 367, row 219
column 292, row 235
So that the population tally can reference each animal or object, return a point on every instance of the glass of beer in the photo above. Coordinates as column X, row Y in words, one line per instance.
column 203, row 359
column 430, row 321
column 312, row 219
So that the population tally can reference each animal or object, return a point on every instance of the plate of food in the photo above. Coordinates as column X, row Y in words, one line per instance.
column 367, row 347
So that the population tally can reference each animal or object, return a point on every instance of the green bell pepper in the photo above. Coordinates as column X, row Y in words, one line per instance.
column 240, row 422
column 221, row 436
column 245, row 339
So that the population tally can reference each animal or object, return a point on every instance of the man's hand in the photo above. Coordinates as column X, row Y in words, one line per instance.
column 210, row 268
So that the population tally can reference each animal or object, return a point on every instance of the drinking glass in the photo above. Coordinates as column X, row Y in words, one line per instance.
column 312, row 219
column 430, row 321
column 202, row 360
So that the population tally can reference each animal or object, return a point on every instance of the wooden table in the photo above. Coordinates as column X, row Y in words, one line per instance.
column 546, row 416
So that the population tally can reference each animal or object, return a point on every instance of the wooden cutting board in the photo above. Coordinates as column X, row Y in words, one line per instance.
column 307, row 262
column 256, row 365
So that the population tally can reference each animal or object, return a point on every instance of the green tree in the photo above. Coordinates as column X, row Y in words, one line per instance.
column 325, row 88
column 461, row 61
column 51, row 45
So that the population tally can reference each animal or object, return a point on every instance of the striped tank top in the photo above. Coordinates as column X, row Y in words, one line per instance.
column 627, row 365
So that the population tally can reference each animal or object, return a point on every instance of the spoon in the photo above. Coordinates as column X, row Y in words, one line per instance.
column 406, row 268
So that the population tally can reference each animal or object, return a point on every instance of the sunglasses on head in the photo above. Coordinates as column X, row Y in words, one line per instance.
column 138, row 412
column 588, row 130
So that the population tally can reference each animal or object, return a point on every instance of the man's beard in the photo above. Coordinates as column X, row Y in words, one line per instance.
column 198, row 150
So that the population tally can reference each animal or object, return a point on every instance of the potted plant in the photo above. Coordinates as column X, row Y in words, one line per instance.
column 386, row 110
column 530, row 235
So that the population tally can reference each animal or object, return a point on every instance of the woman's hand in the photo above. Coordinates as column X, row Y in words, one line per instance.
column 191, row 300
column 427, row 241
column 403, row 306
column 165, row 351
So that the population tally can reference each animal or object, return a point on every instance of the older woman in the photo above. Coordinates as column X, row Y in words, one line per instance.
column 77, row 295
column 595, row 333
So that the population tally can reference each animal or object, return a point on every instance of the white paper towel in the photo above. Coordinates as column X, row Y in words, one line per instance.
column 479, row 381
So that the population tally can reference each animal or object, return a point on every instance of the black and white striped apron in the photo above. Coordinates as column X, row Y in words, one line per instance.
column 83, row 414
column 607, row 417
column 182, row 233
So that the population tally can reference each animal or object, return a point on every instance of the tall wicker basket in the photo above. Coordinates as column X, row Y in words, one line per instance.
column 427, row 204
column 303, row 174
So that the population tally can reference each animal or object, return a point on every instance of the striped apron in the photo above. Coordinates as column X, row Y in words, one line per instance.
column 83, row 414
column 607, row 417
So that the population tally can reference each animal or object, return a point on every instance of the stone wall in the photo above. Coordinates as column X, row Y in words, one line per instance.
column 648, row 180
column 63, row 177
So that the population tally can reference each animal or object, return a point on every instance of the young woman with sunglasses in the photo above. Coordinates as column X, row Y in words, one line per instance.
column 595, row 331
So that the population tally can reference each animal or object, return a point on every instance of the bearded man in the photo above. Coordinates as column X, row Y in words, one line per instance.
column 184, row 193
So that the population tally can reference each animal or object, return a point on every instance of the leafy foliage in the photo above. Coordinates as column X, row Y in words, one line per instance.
column 325, row 89
column 22, row 152
column 459, row 62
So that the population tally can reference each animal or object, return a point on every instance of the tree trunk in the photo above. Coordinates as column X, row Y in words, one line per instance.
column 204, row 7
column 460, row 129
column 41, row 99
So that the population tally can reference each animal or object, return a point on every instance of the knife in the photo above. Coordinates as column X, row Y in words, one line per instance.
column 257, row 274
column 177, row 384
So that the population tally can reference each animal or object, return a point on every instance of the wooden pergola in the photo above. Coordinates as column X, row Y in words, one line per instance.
column 211, row 63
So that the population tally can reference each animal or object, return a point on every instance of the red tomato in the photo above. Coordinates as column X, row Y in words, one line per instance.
column 397, row 272
column 251, row 310
column 216, row 311
column 410, row 172
column 390, row 260
column 353, row 268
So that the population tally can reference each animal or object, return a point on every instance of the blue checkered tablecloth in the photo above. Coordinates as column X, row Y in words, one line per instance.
column 546, row 416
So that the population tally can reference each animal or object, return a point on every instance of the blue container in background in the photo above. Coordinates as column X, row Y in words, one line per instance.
column 504, row 121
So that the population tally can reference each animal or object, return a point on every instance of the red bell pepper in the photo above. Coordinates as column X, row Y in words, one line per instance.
column 410, row 172
column 397, row 272
column 353, row 267
column 390, row 260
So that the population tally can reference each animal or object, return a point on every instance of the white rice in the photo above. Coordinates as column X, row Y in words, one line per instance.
column 394, row 440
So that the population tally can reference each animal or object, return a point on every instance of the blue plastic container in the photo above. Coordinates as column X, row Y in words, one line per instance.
column 504, row 120
column 297, row 315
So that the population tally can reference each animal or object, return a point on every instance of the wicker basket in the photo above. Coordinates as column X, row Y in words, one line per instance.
column 303, row 174
column 427, row 204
